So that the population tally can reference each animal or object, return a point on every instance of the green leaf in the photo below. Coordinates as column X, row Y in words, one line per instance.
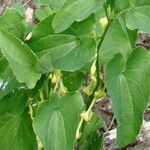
column 44, row 64
column 8, row 81
column 72, row 11
column 13, row 104
column 55, row 4
column 97, row 143
column 72, row 80
column 139, row 18
column 57, row 120
column 120, row 43
column 16, row 132
column 128, row 86
column 83, row 52
column 18, row 6
column 55, row 51
column 82, row 28
column 120, row 6
column 138, row 14
column 132, row 34
column 42, row 29
column 99, row 29
column 15, row 123
column 91, row 139
column 54, row 41
column 43, row 13
column 21, row 59
column 51, row 47
column 13, row 22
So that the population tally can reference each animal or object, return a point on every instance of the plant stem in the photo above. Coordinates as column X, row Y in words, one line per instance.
column 91, row 105
column 98, row 66
column 46, row 88
column 78, row 129
column 91, row 100
column 41, row 95
column 105, row 8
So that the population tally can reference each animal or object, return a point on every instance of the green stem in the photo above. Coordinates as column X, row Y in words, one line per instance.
column 56, row 86
column 78, row 129
column 46, row 84
column 105, row 7
column 98, row 66
column 91, row 100
column 41, row 95
column 91, row 105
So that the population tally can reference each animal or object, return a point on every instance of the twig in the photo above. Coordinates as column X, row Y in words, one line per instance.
column 111, row 123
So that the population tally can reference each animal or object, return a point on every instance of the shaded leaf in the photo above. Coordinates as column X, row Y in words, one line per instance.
column 91, row 139
column 8, row 81
column 16, row 132
column 72, row 80
column 13, row 104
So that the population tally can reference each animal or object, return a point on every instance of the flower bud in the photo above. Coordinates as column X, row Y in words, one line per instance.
column 86, row 115
column 78, row 135
column 93, row 68
column 54, row 79
column 103, row 22
column 28, row 37
column 99, row 93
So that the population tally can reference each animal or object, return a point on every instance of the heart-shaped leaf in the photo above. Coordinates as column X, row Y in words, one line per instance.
column 64, row 52
column 138, row 17
column 56, row 121
column 128, row 86
column 115, row 41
